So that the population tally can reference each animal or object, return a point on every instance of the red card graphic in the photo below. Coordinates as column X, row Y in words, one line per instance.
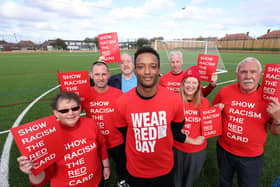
column 271, row 82
column 211, row 122
column 77, row 82
column 207, row 65
column 41, row 141
column 109, row 47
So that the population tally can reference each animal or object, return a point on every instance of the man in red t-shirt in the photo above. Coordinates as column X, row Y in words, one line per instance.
column 173, row 79
column 153, row 116
column 101, row 107
column 240, row 147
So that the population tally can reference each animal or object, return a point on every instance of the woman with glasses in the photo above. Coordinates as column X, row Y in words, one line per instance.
column 84, row 149
column 189, row 158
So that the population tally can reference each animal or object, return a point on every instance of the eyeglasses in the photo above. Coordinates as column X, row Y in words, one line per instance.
column 73, row 109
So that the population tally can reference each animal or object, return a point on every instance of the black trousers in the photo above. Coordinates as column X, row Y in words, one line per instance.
column 187, row 167
column 118, row 155
column 249, row 169
column 161, row 181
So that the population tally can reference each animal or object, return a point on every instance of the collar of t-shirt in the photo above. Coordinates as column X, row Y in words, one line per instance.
column 143, row 97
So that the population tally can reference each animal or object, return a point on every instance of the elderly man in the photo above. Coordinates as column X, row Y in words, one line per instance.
column 172, row 80
column 245, row 117
column 125, row 80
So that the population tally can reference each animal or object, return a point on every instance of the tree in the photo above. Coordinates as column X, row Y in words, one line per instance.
column 59, row 44
column 156, row 38
column 95, row 40
column 141, row 42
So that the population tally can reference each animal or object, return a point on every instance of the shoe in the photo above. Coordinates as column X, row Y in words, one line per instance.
column 123, row 184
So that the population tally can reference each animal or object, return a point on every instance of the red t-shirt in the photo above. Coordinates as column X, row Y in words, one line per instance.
column 192, row 127
column 149, row 138
column 101, row 108
column 172, row 81
column 81, row 164
column 244, row 121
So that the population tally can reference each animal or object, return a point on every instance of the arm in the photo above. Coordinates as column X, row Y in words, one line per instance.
column 207, row 90
column 25, row 166
column 106, row 168
column 180, row 137
column 274, row 111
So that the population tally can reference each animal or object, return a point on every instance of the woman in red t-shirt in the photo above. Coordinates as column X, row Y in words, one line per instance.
column 189, row 158
column 88, row 153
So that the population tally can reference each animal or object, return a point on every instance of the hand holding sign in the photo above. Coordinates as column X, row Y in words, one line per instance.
column 109, row 47
column 35, row 140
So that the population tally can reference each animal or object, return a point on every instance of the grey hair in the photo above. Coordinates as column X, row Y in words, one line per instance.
column 131, row 56
column 175, row 53
column 249, row 59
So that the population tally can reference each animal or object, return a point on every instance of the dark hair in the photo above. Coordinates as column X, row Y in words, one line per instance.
column 99, row 63
column 146, row 50
column 64, row 95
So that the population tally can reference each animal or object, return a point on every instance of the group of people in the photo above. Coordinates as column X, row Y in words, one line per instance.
column 153, row 134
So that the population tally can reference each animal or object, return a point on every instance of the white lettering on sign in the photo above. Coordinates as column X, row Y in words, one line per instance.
column 274, row 69
column 32, row 128
column 235, row 128
column 76, row 163
column 38, row 135
column 242, row 104
column 101, row 110
column 73, row 76
column 44, row 161
column 272, row 76
column 75, row 143
column 74, row 82
column 245, row 113
column 99, row 103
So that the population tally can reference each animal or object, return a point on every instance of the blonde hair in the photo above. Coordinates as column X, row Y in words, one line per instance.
column 197, row 97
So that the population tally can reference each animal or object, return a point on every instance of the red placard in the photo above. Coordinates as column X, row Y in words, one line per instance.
column 77, row 82
column 36, row 140
column 207, row 65
column 109, row 47
column 211, row 122
column 271, row 82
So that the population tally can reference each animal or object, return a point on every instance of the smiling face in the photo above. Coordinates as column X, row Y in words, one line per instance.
column 147, row 70
column 176, row 63
column 71, row 117
column 100, row 75
column 248, row 76
column 191, row 85
column 126, row 64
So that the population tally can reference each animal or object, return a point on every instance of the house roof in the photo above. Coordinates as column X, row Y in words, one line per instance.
column 27, row 43
column 270, row 34
column 239, row 36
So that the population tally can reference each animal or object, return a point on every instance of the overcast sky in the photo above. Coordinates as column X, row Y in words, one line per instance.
column 40, row 20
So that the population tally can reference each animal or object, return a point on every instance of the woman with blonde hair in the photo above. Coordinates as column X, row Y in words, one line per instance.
column 189, row 158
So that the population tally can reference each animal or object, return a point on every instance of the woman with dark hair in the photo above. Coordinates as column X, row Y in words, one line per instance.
column 189, row 158
column 83, row 146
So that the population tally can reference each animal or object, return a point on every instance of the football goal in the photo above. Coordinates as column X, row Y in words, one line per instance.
column 190, row 50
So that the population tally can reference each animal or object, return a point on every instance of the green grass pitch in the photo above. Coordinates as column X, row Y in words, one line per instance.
column 25, row 76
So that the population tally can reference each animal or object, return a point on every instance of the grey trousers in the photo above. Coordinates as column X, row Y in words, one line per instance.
column 187, row 167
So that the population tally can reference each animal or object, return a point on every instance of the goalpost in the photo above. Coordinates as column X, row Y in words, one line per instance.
column 190, row 50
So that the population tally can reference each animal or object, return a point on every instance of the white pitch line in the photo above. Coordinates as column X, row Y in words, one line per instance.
column 221, row 83
column 4, row 164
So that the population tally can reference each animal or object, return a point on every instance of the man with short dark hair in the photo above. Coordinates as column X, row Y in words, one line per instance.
column 153, row 116
column 245, row 117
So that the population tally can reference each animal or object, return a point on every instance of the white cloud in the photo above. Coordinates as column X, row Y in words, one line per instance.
column 127, row 13
column 158, row 4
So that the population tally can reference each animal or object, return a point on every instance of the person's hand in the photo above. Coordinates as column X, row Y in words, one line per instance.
column 273, row 109
column 25, row 165
column 220, row 105
column 214, row 79
column 195, row 141
column 101, row 59
column 106, row 173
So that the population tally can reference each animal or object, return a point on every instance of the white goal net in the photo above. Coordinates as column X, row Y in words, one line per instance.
column 190, row 50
